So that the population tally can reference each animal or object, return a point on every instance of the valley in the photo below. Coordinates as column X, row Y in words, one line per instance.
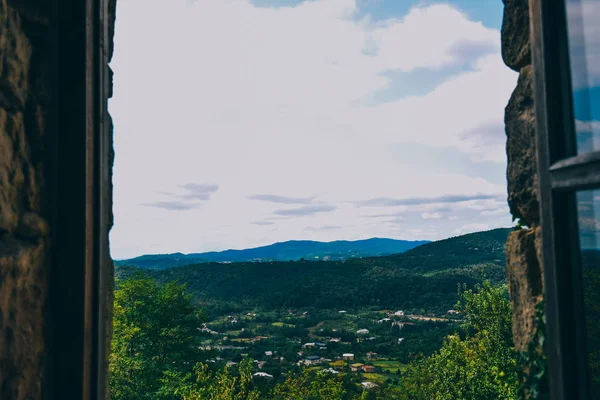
column 373, row 345
column 364, row 318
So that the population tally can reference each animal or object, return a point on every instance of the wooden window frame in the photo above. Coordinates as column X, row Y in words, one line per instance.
column 79, row 281
column 561, row 173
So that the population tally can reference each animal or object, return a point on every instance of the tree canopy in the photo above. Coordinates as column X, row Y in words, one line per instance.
column 476, row 364
column 156, row 329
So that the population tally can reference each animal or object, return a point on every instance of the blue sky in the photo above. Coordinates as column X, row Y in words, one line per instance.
column 487, row 12
column 589, row 217
column 268, row 120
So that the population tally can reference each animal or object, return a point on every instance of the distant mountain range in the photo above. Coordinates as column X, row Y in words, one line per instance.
column 293, row 250
column 424, row 277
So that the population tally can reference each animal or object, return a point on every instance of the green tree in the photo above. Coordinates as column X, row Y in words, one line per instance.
column 220, row 385
column 156, row 333
column 481, row 364
column 310, row 386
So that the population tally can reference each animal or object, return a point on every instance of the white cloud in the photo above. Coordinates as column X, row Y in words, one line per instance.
column 584, row 42
column 421, row 39
column 587, row 126
column 262, row 100
column 499, row 211
column 431, row 216
column 470, row 228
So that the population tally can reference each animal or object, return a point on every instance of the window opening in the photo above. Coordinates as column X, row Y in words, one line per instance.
column 353, row 155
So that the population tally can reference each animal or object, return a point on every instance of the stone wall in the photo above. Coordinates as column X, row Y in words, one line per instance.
column 26, row 91
column 524, row 268
column 32, row 130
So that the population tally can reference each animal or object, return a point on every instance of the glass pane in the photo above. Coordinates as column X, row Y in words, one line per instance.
column 588, row 205
column 584, row 48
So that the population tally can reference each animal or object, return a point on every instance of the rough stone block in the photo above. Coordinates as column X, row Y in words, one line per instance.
column 524, row 274
column 12, row 178
column 515, row 34
column 22, row 304
column 37, row 11
column 519, row 119
column 15, row 56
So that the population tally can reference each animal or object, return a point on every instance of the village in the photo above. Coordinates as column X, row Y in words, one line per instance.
column 374, row 345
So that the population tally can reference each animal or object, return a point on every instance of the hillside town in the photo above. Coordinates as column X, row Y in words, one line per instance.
column 374, row 344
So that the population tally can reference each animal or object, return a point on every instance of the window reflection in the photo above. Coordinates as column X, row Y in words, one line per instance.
column 588, row 205
column 584, row 49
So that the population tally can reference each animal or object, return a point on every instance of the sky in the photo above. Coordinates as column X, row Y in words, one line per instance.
column 241, row 123
column 584, row 51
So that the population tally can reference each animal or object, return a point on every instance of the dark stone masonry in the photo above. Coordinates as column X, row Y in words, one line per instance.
column 524, row 268
column 26, row 135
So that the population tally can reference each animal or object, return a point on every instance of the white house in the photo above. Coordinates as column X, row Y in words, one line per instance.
column 399, row 313
column 348, row 356
column 331, row 371
column 362, row 332
column 400, row 340
column 263, row 375
column 369, row 385
column 268, row 353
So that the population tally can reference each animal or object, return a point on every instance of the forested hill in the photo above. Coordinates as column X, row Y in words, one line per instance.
column 285, row 251
column 490, row 242
column 473, row 248
column 427, row 278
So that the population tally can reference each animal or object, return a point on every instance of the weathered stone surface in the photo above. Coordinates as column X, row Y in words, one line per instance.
column 112, row 16
column 22, row 303
column 525, row 283
column 15, row 55
column 12, row 171
column 519, row 119
column 32, row 226
column 26, row 86
column 37, row 11
column 515, row 34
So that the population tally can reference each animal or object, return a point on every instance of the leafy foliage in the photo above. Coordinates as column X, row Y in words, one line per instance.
column 533, row 364
column 155, row 330
column 221, row 384
column 308, row 386
column 157, row 338
column 479, row 365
